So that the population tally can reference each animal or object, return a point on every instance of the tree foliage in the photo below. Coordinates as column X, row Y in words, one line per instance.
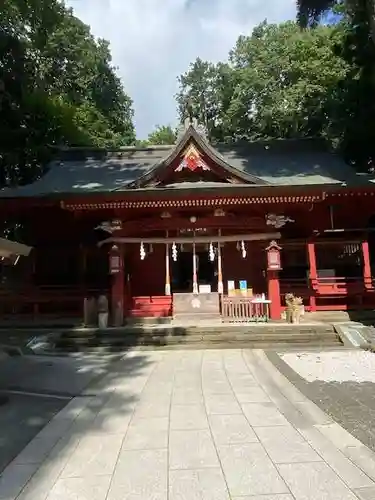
column 278, row 82
column 57, row 86
column 284, row 82
column 357, row 48
column 162, row 135
column 309, row 12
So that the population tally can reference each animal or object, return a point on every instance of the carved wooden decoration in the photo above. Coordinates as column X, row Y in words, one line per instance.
column 192, row 160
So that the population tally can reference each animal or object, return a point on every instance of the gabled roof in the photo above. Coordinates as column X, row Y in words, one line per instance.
column 272, row 163
column 191, row 135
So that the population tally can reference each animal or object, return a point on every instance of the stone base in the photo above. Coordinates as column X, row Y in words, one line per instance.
column 192, row 307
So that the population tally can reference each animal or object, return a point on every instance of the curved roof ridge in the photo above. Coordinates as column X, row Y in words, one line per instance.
column 192, row 133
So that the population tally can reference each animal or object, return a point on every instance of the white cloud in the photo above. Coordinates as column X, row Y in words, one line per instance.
column 153, row 42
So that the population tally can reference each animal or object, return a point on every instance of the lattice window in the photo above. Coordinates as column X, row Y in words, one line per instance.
column 339, row 259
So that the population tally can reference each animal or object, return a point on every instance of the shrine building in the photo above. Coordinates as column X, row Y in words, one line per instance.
column 192, row 228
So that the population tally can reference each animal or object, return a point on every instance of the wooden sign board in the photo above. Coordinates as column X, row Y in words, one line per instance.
column 231, row 288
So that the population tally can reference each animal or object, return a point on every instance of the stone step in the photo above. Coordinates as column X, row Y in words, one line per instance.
column 340, row 316
column 254, row 329
column 203, row 344
column 194, row 338
column 229, row 338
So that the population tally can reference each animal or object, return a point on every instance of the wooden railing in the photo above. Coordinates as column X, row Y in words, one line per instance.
column 297, row 286
column 44, row 300
column 323, row 286
column 244, row 309
column 338, row 285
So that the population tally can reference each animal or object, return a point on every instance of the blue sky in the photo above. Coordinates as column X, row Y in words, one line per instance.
column 153, row 42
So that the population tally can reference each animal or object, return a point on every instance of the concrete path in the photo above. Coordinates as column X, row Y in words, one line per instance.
column 194, row 425
column 38, row 387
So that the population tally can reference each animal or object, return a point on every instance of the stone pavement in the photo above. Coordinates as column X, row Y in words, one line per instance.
column 194, row 425
column 38, row 387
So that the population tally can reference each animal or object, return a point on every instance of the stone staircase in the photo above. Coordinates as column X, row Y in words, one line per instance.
column 361, row 316
column 171, row 336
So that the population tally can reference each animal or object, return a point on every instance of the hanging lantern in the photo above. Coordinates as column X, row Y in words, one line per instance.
column 115, row 260
column 142, row 251
column 243, row 249
column 174, row 252
column 211, row 253
column 273, row 257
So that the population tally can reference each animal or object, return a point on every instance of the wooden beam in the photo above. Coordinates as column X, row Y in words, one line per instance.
column 154, row 223
column 196, row 239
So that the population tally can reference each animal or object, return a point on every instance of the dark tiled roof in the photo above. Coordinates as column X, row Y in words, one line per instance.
column 289, row 162
column 98, row 171
column 278, row 163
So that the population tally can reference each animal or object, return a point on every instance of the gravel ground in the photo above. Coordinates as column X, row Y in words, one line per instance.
column 340, row 366
column 341, row 383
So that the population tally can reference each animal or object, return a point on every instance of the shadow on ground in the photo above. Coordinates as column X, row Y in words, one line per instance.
column 114, row 339
column 37, row 388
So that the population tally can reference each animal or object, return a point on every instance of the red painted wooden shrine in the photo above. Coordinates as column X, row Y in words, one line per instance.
column 141, row 225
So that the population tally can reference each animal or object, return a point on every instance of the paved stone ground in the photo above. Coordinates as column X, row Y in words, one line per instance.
column 21, row 418
column 194, row 425
column 341, row 383
column 37, row 388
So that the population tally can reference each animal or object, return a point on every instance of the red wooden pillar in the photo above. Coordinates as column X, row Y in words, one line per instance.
column 82, row 269
column 274, row 294
column 195, row 275
column 116, row 260
column 313, row 273
column 367, row 279
column 167, row 285
column 273, row 268
column 220, row 285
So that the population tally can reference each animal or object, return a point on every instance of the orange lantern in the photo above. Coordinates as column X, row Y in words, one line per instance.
column 273, row 257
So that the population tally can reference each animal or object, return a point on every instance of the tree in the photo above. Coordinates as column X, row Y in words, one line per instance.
column 278, row 82
column 57, row 86
column 357, row 48
column 162, row 135
column 309, row 12
column 204, row 91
